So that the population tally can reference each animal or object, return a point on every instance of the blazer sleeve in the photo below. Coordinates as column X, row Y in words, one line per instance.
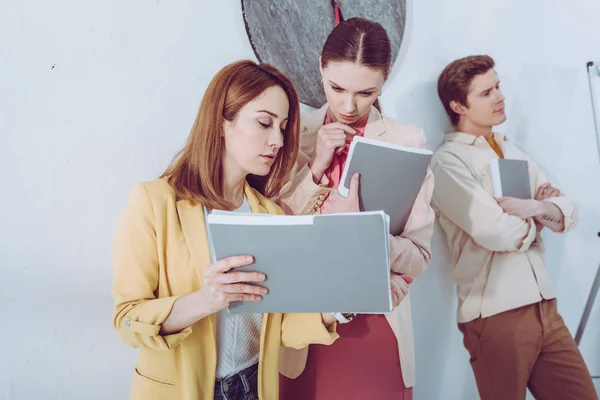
column 300, row 193
column 138, row 313
column 410, row 252
column 301, row 330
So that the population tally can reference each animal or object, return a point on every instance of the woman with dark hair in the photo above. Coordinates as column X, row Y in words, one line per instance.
column 374, row 357
column 170, row 297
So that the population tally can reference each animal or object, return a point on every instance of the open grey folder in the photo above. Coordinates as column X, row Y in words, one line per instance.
column 391, row 177
column 510, row 178
column 313, row 263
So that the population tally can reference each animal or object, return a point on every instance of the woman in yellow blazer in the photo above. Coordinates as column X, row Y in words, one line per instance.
column 169, row 295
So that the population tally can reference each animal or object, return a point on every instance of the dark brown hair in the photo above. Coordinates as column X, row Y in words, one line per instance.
column 455, row 80
column 359, row 40
column 196, row 171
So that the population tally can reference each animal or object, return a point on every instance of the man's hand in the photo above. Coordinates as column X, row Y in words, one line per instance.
column 544, row 192
column 543, row 212
column 547, row 191
column 518, row 207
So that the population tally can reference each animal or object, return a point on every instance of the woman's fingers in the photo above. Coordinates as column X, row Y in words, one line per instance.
column 244, row 288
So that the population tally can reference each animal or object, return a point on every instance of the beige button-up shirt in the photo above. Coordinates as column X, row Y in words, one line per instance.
column 498, row 258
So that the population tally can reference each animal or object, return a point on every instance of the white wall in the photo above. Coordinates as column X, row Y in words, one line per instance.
column 95, row 96
column 541, row 51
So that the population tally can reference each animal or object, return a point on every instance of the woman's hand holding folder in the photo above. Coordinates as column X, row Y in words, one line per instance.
column 400, row 287
column 337, row 204
column 222, row 285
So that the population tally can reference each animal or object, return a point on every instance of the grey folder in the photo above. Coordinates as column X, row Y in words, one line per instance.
column 313, row 263
column 510, row 178
column 390, row 177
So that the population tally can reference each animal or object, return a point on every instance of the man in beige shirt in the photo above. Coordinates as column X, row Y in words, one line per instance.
column 506, row 303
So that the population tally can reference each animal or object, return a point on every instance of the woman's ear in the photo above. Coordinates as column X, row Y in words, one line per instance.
column 321, row 69
column 226, row 125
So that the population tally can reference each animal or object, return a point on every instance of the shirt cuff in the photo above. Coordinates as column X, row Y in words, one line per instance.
column 141, row 326
column 530, row 238
column 567, row 209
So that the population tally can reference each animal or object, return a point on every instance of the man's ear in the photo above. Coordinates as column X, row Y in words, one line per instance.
column 458, row 107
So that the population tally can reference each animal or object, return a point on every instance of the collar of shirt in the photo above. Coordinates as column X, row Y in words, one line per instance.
column 467, row 138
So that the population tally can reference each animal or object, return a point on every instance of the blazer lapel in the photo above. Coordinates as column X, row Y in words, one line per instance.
column 313, row 121
column 375, row 125
column 193, row 226
column 253, row 201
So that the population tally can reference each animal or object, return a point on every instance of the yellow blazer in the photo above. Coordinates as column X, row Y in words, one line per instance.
column 159, row 252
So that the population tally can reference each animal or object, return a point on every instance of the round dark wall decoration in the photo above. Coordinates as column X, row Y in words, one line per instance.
column 290, row 34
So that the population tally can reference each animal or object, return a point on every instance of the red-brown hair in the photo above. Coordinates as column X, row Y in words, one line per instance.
column 359, row 40
column 196, row 173
column 455, row 80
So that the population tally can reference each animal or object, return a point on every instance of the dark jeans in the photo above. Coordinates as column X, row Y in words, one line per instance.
column 241, row 386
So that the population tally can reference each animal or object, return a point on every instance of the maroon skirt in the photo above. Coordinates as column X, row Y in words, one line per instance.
column 363, row 364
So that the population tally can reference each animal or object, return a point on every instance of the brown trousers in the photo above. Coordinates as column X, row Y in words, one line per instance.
column 528, row 347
